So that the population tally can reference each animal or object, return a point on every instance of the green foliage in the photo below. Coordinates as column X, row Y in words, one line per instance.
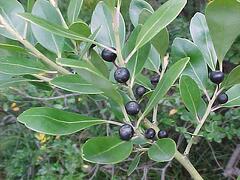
column 50, row 53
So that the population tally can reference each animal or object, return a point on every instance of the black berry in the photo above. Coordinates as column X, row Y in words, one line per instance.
column 126, row 132
column 155, row 80
column 216, row 77
column 150, row 133
column 108, row 55
column 132, row 108
column 222, row 98
column 140, row 91
column 122, row 75
column 162, row 134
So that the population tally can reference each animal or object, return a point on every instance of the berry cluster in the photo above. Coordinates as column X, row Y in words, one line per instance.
column 122, row 75
column 217, row 77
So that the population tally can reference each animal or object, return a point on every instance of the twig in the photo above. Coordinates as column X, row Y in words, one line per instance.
column 202, row 121
column 231, row 168
column 44, row 99
column 214, row 155
column 28, row 45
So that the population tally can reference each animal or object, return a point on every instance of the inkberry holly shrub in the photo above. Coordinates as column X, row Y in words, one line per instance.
column 133, row 61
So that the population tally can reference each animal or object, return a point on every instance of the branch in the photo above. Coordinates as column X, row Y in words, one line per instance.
column 28, row 45
column 188, row 166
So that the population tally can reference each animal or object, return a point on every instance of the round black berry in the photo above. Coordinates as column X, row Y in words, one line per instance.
column 122, row 75
column 126, row 132
column 222, row 98
column 150, row 133
column 216, row 77
column 155, row 79
column 132, row 108
column 140, row 91
column 162, row 134
column 108, row 55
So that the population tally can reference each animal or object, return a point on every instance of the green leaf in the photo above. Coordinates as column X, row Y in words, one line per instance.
column 223, row 22
column 13, row 48
column 165, row 84
column 136, row 63
column 54, row 28
column 197, row 68
column 134, row 164
column 56, row 122
column 81, row 28
column 20, row 66
column 102, row 19
column 9, row 10
column 162, row 150
column 153, row 62
column 90, row 74
column 73, row 11
column 38, row 83
column 161, row 42
column 144, row 81
column 9, row 81
column 74, row 83
column 130, row 44
column 233, row 97
column 44, row 9
column 233, row 78
column 201, row 37
column 106, row 150
column 191, row 95
column 159, row 20
column 135, row 9
column 98, row 63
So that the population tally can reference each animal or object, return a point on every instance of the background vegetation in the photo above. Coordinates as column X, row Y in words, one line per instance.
column 25, row 154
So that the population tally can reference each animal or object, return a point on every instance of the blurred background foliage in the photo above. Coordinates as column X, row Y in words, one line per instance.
column 25, row 154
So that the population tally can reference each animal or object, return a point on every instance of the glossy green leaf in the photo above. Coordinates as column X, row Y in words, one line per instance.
column 134, row 164
column 153, row 61
column 38, row 83
column 165, row 84
column 9, row 81
column 159, row 20
column 53, row 28
column 135, row 9
column 9, row 10
column 161, row 42
column 90, row 74
column 136, row 63
column 13, row 48
column 56, row 122
column 20, row 66
column 223, row 22
column 162, row 150
column 130, row 44
column 197, row 68
column 144, row 81
column 233, row 78
column 191, row 95
column 99, row 63
column 201, row 37
column 144, row 15
column 106, row 150
column 74, row 83
column 73, row 11
column 102, row 18
column 45, row 10
column 81, row 28
column 233, row 97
